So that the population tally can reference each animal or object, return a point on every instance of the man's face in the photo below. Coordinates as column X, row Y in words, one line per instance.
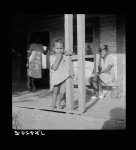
column 58, row 47
column 103, row 53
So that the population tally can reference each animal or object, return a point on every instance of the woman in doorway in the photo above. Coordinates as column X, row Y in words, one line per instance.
column 35, row 63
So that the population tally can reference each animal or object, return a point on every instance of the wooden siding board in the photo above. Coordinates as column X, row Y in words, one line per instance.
column 108, row 32
column 121, row 61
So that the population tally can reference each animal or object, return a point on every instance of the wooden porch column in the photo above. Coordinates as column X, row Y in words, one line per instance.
column 96, row 42
column 69, row 48
column 81, row 60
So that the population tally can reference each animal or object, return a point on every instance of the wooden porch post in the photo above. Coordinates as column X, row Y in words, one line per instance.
column 69, row 48
column 96, row 42
column 81, row 60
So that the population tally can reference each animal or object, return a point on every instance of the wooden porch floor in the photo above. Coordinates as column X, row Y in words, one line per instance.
column 99, row 110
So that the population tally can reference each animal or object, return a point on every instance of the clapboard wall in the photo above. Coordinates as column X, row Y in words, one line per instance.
column 55, row 25
column 108, row 32
column 108, row 36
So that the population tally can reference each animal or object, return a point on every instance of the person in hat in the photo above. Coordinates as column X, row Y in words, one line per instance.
column 105, row 74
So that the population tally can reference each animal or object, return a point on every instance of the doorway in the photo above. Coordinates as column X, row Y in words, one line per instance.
column 44, row 38
column 19, row 42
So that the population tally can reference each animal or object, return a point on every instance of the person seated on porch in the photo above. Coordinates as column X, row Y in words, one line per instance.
column 105, row 74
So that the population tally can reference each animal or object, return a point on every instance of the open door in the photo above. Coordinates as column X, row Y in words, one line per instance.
column 43, row 37
column 19, row 42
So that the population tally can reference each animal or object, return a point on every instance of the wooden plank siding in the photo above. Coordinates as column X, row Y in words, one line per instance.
column 108, row 32
column 30, row 21
column 121, row 52
column 109, row 28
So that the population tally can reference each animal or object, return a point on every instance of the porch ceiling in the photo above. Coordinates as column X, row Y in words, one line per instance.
column 25, row 22
column 33, row 21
